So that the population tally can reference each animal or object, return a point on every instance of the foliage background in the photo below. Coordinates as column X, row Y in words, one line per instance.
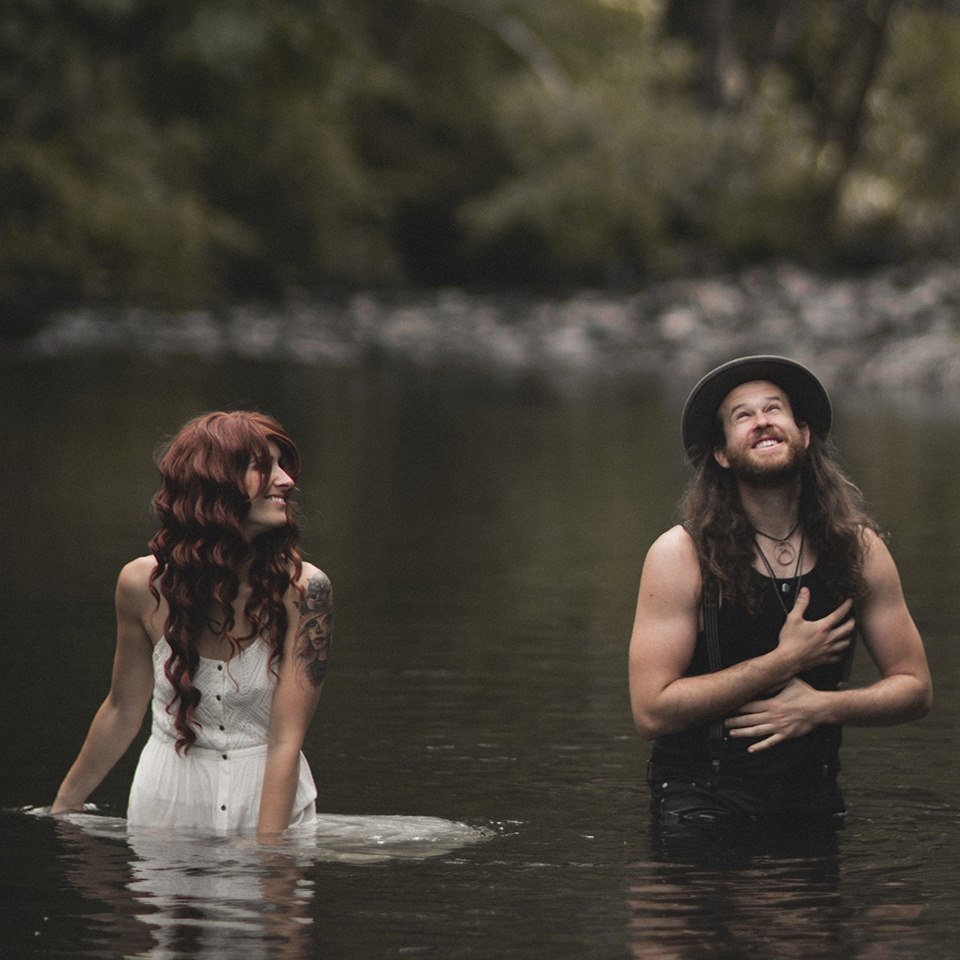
column 186, row 154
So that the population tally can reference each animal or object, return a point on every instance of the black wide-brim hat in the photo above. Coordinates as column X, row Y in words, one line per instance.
column 808, row 398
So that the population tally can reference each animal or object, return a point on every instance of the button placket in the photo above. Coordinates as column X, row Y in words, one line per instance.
column 223, row 773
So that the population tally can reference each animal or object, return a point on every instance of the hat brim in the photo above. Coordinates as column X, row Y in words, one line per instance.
column 808, row 397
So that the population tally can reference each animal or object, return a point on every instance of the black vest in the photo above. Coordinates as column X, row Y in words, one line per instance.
column 744, row 635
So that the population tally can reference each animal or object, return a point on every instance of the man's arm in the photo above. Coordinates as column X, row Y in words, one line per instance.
column 664, row 637
column 903, row 692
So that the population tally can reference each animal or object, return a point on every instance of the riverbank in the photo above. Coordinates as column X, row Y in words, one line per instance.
column 891, row 330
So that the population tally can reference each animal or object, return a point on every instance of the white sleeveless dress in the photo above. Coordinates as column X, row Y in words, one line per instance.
column 215, row 786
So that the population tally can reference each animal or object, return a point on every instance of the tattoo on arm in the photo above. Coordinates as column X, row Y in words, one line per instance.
column 316, row 628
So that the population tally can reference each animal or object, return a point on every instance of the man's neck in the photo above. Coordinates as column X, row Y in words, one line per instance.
column 773, row 510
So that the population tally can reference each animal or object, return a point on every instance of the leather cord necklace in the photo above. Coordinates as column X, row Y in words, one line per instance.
column 785, row 586
column 783, row 550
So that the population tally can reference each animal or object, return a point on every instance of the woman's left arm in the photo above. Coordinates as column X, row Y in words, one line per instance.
column 302, row 671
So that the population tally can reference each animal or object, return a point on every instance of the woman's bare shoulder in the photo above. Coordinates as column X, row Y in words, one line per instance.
column 135, row 576
column 137, row 606
column 134, row 581
column 313, row 592
column 313, row 577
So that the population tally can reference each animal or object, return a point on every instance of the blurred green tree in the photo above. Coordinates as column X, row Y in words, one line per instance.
column 184, row 154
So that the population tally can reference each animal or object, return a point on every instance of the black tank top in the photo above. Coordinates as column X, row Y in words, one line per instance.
column 744, row 635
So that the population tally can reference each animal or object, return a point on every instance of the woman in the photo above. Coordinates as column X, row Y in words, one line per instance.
column 228, row 630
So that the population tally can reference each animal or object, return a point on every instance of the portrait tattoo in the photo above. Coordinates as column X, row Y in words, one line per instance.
column 316, row 628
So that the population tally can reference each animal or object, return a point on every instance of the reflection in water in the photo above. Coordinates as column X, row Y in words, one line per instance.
column 776, row 909
column 213, row 897
column 754, row 894
column 168, row 897
column 720, row 892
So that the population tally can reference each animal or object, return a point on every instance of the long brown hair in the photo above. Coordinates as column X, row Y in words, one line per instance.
column 831, row 510
column 200, row 548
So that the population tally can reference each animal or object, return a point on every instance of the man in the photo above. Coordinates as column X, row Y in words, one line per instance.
column 748, row 609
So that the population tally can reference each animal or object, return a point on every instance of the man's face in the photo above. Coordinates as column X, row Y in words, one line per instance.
column 763, row 443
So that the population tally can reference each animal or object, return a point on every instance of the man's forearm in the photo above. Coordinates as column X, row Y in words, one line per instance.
column 894, row 699
column 692, row 701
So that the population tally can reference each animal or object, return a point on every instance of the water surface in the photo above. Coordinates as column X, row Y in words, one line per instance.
column 484, row 539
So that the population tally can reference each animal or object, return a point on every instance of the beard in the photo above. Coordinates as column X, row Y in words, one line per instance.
column 762, row 474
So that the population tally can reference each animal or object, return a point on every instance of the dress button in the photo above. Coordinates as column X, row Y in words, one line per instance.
column 219, row 697
column 222, row 727
column 219, row 666
column 223, row 806
column 224, row 756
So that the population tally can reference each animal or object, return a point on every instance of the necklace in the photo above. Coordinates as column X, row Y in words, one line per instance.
column 783, row 551
column 785, row 586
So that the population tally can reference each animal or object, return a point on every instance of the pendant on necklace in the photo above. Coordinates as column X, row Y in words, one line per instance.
column 784, row 553
column 785, row 586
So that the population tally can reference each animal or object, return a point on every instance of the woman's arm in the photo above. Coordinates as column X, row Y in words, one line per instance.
column 302, row 671
column 118, row 720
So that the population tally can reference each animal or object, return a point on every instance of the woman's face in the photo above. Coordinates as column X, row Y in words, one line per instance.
column 268, row 509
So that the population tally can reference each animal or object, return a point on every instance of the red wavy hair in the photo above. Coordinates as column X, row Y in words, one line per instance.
column 200, row 548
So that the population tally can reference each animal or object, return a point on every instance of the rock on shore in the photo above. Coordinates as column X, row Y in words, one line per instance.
column 895, row 329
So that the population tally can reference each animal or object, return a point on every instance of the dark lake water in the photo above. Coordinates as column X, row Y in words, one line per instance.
column 484, row 539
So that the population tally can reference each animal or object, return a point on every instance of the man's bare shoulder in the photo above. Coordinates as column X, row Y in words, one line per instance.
column 665, row 626
column 671, row 567
column 674, row 546
column 879, row 567
column 873, row 542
